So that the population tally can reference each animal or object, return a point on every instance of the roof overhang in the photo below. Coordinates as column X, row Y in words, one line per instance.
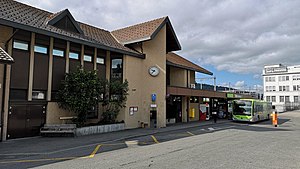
column 172, row 40
column 75, row 40
column 188, row 68
column 5, row 58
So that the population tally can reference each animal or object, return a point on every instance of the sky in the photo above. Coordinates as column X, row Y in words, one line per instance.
column 234, row 39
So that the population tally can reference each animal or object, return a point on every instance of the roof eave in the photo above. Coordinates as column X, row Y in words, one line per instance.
column 76, row 40
column 189, row 68
column 136, row 41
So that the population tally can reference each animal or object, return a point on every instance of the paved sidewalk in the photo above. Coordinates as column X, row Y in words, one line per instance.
column 50, row 144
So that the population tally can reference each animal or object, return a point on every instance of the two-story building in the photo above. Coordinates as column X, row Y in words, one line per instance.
column 45, row 46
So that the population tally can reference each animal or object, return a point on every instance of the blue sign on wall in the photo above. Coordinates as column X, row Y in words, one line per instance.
column 153, row 97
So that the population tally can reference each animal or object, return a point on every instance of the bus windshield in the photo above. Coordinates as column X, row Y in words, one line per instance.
column 242, row 107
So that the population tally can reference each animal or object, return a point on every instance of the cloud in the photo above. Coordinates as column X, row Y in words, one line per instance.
column 237, row 36
column 239, row 84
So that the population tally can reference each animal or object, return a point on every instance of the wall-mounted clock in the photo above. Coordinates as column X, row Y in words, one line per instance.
column 153, row 71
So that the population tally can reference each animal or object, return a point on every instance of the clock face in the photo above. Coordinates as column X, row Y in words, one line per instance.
column 153, row 71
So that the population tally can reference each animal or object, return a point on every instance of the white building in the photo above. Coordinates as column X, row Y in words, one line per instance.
column 282, row 85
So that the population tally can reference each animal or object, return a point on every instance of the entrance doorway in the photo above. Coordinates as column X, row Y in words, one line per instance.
column 174, row 109
column 25, row 120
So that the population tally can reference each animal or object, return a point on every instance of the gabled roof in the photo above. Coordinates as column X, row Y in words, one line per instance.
column 178, row 61
column 21, row 16
column 60, row 15
column 147, row 31
column 5, row 57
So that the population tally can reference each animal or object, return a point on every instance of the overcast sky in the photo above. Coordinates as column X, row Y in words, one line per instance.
column 231, row 38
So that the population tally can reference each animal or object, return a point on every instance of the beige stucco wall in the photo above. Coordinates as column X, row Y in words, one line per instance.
column 142, row 85
column 192, row 77
column 178, row 77
column 133, row 68
column 54, row 113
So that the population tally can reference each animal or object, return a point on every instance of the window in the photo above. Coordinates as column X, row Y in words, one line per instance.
column 41, row 49
column 287, row 98
column 57, row 52
column 296, row 87
column 287, row 78
column 73, row 55
column 272, row 79
column 280, row 88
column 268, row 98
column 116, row 69
column 273, row 98
column 296, row 99
column 281, row 98
column 20, row 45
column 39, row 95
column 296, row 77
column 287, row 88
column 100, row 60
column 87, row 58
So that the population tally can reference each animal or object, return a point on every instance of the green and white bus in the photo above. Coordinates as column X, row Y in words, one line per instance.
column 251, row 110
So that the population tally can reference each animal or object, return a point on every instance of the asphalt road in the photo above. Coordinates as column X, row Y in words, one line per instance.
column 256, row 146
column 226, row 145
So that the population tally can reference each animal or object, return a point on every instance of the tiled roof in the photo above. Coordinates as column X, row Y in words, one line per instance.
column 5, row 58
column 139, row 32
column 178, row 61
column 25, row 17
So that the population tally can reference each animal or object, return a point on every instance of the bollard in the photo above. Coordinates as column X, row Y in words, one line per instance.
column 274, row 118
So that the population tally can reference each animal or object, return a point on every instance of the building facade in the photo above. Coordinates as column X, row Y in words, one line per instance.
column 45, row 46
column 282, row 86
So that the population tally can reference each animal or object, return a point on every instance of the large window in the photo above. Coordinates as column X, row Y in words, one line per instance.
column 20, row 45
column 116, row 69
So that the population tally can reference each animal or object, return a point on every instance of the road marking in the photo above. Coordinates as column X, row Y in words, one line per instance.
column 154, row 139
column 190, row 133
column 95, row 151
column 210, row 129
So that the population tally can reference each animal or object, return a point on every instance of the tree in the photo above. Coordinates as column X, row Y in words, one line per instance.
column 115, row 99
column 80, row 91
